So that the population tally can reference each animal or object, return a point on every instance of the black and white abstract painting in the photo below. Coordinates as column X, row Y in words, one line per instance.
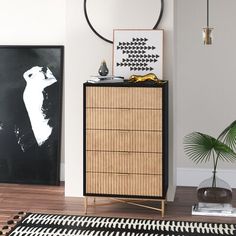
column 30, row 113
column 138, row 52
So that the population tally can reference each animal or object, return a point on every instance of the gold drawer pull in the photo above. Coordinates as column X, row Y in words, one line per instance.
column 122, row 174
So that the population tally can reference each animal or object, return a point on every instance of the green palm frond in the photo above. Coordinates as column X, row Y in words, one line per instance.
column 202, row 147
column 199, row 147
column 228, row 135
column 225, row 153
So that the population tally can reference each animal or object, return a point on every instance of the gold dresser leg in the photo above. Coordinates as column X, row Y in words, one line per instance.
column 162, row 208
column 85, row 205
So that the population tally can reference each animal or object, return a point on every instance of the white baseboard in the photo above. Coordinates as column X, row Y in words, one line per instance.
column 62, row 172
column 194, row 176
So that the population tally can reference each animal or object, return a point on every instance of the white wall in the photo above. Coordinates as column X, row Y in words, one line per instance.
column 30, row 22
column 205, row 79
column 84, row 53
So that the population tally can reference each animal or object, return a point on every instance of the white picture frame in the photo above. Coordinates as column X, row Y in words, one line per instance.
column 138, row 52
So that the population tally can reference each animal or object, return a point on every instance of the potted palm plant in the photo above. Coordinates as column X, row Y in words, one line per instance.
column 200, row 148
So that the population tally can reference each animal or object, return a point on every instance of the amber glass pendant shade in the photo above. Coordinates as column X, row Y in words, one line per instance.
column 207, row 31
column 207, row 35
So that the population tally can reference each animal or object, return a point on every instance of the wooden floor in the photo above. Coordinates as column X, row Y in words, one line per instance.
column 50, row 199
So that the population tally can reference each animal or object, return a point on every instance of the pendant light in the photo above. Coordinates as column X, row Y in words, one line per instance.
column 207, row 31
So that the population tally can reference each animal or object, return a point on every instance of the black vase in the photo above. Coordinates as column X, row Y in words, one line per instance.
column 103, row 70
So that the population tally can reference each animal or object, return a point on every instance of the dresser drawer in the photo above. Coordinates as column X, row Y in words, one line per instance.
column 126, row 119
column 124, row 162
column 124, row 184
column 130, row 141
column 124, row 97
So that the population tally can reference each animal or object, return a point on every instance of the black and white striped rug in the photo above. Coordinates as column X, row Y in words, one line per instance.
column 65, row 225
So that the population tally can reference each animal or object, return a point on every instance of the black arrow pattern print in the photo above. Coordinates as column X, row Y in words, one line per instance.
column 139, row 49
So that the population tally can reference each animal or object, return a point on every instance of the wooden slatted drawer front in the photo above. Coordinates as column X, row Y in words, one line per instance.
column 124, row 162
column 124, row 184
column 124, row 97
column 130, row 141
column 127, row 119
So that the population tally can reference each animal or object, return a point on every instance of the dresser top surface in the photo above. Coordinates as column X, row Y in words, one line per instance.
column 127, row 84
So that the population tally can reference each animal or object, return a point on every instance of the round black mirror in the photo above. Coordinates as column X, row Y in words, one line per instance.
column 126, row 4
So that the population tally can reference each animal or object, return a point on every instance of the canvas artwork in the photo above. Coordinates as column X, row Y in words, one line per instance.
column 138, row 52
column 30, row 113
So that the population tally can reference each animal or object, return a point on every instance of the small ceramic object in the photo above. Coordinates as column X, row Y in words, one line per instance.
column 143, row 78
column 103, row 70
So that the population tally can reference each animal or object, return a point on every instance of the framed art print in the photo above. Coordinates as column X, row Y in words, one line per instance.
column 138, row 52
column 30, row 113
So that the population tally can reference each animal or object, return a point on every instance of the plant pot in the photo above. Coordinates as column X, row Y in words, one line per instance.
column 214, row 190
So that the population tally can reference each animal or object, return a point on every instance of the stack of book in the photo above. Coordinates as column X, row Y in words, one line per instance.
column 214, row 209
column 106, row 79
